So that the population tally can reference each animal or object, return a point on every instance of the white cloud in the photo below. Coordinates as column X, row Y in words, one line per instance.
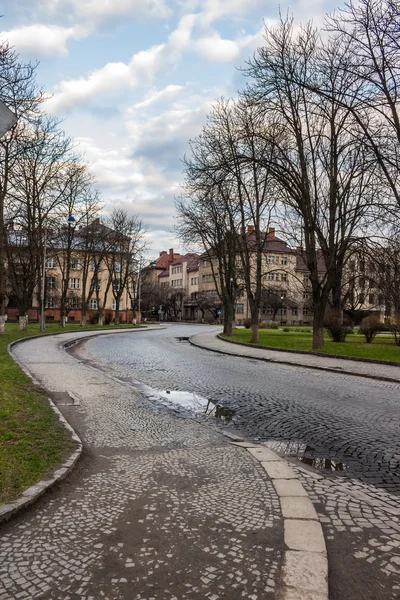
column 215, row 48
column 95, row 11
column 42, row 40
column 154, row 96
column 141, row 69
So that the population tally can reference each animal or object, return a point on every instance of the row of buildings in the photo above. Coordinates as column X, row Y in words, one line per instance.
column 286, row 296
column 182, row 287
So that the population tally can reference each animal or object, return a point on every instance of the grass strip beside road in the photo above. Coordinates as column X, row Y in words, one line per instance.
column 33, row 442
column 382, row 347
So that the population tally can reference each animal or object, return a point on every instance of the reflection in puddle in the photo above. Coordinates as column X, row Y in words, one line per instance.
column 218, row 411
column 306, row 454
column 187, row 400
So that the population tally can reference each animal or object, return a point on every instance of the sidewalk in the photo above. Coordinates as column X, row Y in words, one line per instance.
column 210, row 341
column 159, row 508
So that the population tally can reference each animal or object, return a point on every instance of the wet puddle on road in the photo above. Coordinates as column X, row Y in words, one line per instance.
column 305, row 454
column 186, row 400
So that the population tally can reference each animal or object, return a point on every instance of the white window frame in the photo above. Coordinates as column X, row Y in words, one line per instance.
column 75, row 283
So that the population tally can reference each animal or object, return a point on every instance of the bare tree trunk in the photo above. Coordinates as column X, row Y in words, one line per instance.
column 63, row 320
column 254, row 329
column 228, row 320
column 318, row 327
column 83, row 320
column 23, row 322
column 2, row 323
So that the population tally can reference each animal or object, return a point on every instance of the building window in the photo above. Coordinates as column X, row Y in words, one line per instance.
column 50, row 302
column 284, row 260
column 51, row 283
column 268, row 311
column 73, row 303
column 194, row 281
column 176, row 283
column 117, row 267
column 283, row 276
column 95, row 284
column 306, row 277
column 50, row 262
column 75, row 283
column 94, row 265
column 239, row 309
column 371, row 298
column 116, row 284
column 271, row 276
column 176, row 270
column 114, row 305
column 306, row 295
column 305, row 311
column 295, row 311
column 93, row 304
column 207, row 278
column 206, row 263
column 76, row 264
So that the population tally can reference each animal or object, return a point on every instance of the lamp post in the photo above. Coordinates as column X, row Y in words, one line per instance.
column 282, row 297
column 71, row 220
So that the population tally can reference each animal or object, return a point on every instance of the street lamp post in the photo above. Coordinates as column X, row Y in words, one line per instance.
column 282, row 297
column 71, row 220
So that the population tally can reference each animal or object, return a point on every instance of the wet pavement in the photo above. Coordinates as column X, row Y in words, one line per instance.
column 346, row 426
column 161, row 507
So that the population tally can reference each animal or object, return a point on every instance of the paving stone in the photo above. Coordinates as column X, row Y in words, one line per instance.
column 306, row 571
column 289, row 487
column 279, row 470
column 304, row 535
column 298, row 508
column 263, row 454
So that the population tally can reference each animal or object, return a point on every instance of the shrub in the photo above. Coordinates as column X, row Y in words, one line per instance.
column 247, row 323
column 92, row 316
column 107, row 317
column 286, row 329
column 369, row 327
column 272, row 326
column 394, row 327
column 337, row 325
column 263, row 325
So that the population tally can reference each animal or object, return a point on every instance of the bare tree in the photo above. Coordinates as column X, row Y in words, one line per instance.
column 371, row 31
column 18, row 90
column 127, row 245
column 325, row 174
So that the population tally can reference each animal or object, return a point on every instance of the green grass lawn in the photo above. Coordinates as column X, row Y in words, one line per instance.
column 382, row 348
column 32, row 440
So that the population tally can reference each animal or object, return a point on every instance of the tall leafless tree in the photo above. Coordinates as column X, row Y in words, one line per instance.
column 324, row 171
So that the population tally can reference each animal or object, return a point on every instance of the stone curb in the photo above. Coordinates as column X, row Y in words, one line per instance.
column 295, row 364
column 31, row 494
column 305, row 564
column 374, row 361
column 35, row 491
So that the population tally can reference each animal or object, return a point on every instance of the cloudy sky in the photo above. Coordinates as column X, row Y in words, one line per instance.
column 134, row 79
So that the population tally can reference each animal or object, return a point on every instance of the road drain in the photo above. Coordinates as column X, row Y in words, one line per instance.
column 182, row 340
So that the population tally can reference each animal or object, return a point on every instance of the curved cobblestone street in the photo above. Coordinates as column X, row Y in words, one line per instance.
column 159, row 508
column 351, row 422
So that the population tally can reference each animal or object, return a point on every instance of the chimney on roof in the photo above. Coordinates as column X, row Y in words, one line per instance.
column 271, row 232
column 250, row 229
column 171, row 255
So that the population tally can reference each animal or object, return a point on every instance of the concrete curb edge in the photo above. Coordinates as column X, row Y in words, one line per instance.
column 36, row 490
column 305, row 563
column 291, row 363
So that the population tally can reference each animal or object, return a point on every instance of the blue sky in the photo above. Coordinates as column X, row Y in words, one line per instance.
column 134, row 79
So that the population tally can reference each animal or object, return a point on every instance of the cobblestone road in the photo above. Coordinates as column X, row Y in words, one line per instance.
column 344, row 422
column 160, row 508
